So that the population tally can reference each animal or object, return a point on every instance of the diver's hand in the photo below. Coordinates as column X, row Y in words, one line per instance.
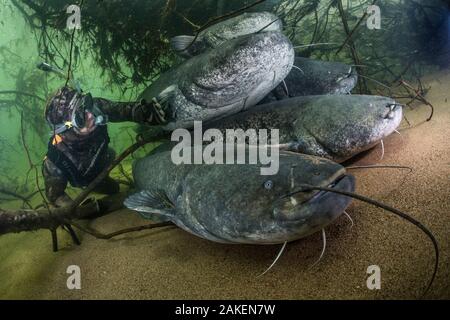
column 150, row 113
column 159, row 110
column 63, row 201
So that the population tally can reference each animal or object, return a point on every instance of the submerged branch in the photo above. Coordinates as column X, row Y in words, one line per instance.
column 15, row 221
column 51, row 218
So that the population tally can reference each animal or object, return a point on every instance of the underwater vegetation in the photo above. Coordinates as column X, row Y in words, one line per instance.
column 333, row 86
column 122, row 33
column 130, row 39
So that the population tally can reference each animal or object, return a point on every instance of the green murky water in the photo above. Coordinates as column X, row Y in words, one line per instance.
column 124, row 45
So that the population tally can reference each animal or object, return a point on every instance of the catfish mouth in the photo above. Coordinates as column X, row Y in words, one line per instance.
column 304, row 205
column 339, row 182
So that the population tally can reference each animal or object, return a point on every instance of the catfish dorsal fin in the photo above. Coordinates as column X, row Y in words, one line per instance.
column 151, row 204
column 181, row 43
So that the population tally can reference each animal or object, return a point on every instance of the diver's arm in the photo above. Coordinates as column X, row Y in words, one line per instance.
column 55, row 183
column 140, row 111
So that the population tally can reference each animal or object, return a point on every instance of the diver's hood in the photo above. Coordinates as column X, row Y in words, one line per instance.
column 68, row 108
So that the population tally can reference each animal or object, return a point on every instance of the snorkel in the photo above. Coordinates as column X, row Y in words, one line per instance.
column 46, row 67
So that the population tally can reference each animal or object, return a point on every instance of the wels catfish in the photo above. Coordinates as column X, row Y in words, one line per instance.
column 313, row 77
column 335, row 127
column 212, row 37
column 235, row 203
column 230, row 78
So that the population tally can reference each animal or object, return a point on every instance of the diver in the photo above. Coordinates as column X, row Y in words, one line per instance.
column 78, row 149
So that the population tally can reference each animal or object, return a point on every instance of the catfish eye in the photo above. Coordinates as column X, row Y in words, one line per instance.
column 268, row 185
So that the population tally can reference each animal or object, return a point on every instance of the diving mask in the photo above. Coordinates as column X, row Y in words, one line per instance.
column 80, row 105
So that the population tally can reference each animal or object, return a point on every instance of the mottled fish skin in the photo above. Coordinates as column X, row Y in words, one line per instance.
column 335, row 127
column 244, row 24
column 315, row 77
column 232, row 204
column 233, row 77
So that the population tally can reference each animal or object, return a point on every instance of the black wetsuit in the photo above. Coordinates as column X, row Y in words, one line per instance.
column 78, row 159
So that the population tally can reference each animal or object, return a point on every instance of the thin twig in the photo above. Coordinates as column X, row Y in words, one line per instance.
column 72, row 40
column 107, row 236
column 418, row 95
column 30, row 162
column 188, row 21
column 350, row 35
column 25, row 199
column 352, row 45
column 18, row 92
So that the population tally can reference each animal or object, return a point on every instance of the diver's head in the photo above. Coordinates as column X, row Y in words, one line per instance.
column 69, row 109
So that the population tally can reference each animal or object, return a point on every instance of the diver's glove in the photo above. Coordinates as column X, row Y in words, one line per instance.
column 149, row 113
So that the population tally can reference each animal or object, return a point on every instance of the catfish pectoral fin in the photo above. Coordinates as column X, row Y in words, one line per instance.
column 153, row 205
